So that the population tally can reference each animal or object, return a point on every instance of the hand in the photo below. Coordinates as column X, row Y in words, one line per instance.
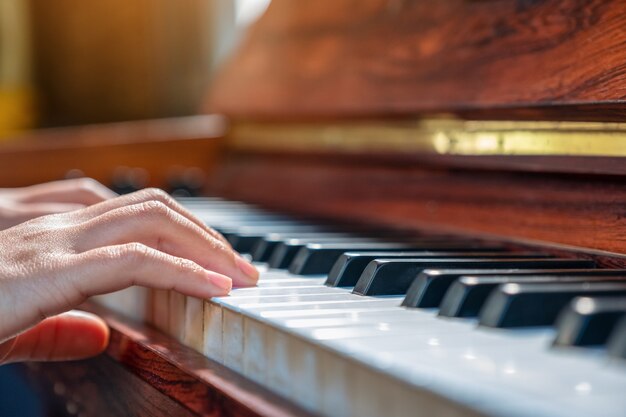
column 18, row 205
column 51, row 264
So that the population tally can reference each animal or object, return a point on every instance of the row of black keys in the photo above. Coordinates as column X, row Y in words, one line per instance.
column 463, row 278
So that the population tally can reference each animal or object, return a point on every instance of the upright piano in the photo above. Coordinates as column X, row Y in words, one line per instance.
column 435, row 194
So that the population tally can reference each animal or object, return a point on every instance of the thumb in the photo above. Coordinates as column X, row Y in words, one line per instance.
column 68, row 336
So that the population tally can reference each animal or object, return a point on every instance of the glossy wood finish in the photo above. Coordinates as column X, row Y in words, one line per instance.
column 154, row 145
column 378, row 58
column 580, row 211
column 98, row 387
column 146, row 373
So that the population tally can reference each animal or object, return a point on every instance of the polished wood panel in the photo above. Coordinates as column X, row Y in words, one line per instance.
column 523, row 59
column 146, row 373
column 581, row 211
column 97, row 388
column 96, row 150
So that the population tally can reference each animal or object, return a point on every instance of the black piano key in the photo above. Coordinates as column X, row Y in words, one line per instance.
column 430, row 286
column 243, row 243
column 467, row 295
column 244, row 239
column 284, row 253
column 588, row 321
column 526, row 305
column 616, row 345
column 350, row 265
column 314, row 259
column 264, row 248
column 394, row 277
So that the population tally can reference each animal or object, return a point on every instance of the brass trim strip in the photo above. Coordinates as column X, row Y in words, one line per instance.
column 436, row 136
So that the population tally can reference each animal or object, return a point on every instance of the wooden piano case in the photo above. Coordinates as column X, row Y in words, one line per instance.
column 500, row 119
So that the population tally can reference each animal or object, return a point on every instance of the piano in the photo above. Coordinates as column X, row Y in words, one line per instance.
column 434, row 193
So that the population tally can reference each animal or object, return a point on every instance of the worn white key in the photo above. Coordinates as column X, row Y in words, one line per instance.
column 194, row 324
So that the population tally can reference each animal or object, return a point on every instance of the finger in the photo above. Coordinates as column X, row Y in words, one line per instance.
column 19, row 213
column 150, row 194
column 113, row 268
column 32, row 210
column 69, row 336
column 157, row 226
column 85, row 191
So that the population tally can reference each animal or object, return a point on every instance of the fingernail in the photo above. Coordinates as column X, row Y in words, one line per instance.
column 222, row 281
column 247, row 268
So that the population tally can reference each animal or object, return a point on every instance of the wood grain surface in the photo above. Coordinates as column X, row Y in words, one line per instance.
column 532, row 59
column 574, row 210
column 97, row 150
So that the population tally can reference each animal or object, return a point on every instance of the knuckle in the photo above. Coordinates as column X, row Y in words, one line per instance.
column 155, row 208
column 157, row 194
column 186, row 265
column 87, row 184
column 135, row 252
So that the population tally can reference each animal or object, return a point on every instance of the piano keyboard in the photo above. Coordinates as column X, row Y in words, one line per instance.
column 350, row 321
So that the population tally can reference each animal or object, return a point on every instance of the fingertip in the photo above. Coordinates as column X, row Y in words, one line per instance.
column 222, row 283
column 68, row 336
column 91, row 332
column 251, row 274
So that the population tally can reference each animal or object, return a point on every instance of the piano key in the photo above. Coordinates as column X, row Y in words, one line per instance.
column 232, row 340
column 242, row 239
column 394, row 277
column 194, row 323
column 285, row 252
column 295, row 241
column 350, row 265
column 161, row 310
column 220, row 311
column 293, row 363
column 616, row 345
column 377, row 375
column 428, row 289
column 588, row 321
column 519, row 305
column 133, row 302
column 319, row 258
column 263, row 248
column 176, row 316
column 466, row 296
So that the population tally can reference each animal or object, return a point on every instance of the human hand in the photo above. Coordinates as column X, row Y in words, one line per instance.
column 51, row 264
column 18, row 205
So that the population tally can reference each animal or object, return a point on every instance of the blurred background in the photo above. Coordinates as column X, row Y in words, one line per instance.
column 72, row 62
column 76, row 62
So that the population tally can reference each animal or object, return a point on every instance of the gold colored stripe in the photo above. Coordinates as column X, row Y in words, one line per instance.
column 436, row 136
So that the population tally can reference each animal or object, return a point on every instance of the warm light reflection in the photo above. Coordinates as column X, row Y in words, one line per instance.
column 248, row 11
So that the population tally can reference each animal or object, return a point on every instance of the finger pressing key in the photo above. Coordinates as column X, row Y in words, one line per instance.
column 144, row 196
column 157, row 226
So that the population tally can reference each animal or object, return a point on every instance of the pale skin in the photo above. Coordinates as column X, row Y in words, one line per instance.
column 96, row 243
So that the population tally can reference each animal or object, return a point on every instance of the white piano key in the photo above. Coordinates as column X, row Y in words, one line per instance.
column 194, row 324
column 212, row 331
column 232, row 340
column 133, row 302
column 246, row 293
column 176, row 316
column 160, row 310
column 337, row 354
column 232, row 320
column 255, row 353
